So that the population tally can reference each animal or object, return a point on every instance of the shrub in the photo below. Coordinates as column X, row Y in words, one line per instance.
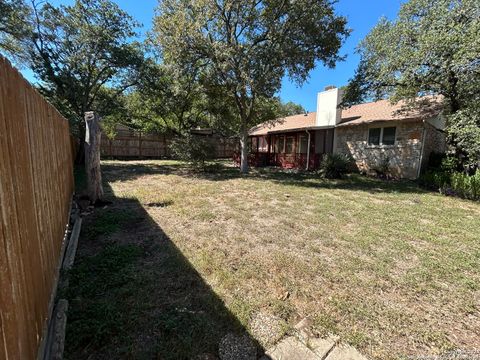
column 455, row 183
column 432, row 179
column 435, row 160
column 194, row 149
column 383, row 168
column 463, row 132
column 466, row 186
column 334, row 166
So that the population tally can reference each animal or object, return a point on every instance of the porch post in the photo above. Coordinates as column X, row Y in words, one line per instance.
column 269, row 140
column 308, row 150
column 324, row 141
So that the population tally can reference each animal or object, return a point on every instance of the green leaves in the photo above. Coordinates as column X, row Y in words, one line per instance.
column 464, row 134
column 13, row 27
column 195, row 149
column 78, row 51
column 242, row 49
column 247, row 47
column 433, row 47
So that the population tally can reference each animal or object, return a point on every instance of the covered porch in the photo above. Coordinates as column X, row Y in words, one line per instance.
column 301, row 149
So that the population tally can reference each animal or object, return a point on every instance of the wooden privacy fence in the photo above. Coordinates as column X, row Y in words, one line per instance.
column 36, row 185
column 129, row 143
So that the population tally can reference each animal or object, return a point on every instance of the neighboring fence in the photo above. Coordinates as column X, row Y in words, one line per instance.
column 36, row 185
column 129, row 143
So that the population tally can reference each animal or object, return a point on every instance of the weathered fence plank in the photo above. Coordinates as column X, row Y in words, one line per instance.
column 36, row 184
column 129, row 143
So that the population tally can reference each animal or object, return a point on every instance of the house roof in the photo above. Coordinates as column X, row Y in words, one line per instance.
column 288, row 123
column 378, row 111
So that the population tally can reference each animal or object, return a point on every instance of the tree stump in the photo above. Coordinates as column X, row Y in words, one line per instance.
column 92, row 157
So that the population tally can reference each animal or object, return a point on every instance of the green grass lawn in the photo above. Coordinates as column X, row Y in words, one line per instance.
column 182, row 258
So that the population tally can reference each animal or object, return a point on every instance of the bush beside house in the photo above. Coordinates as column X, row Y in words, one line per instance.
column 443, row 175
column 335, row 166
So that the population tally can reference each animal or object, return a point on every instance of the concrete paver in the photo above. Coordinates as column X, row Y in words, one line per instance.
column 291, row 348
column 345, row 352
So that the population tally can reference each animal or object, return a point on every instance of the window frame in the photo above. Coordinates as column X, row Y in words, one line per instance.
column 299, row 147
column 292, row 137
column 379, row 136
column 380, row 141
column 394, row 135
column 281, row 140
column 253, row 144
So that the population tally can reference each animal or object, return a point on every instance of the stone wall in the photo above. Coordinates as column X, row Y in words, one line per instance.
column 404, row 156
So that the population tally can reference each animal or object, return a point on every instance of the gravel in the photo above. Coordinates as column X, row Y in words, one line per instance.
column 237, row 347
column 267, row 329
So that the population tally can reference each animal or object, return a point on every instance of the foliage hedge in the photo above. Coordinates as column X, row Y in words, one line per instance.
column 455, row 183
column 194, row 149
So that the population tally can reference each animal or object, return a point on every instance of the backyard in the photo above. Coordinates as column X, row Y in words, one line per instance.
column 182, row 258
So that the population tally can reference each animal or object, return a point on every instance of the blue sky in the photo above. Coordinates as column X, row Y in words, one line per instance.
column 361, row 15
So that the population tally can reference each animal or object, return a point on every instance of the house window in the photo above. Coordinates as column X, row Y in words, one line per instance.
column 253, row 144
column 262, row 144
column 383, row 136
column 289, row 145
column 374, row 136
column 388, row 137
column 279, row 142
column 303, row 144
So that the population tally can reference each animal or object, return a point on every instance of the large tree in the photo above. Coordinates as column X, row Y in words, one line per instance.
column 241, row 50
column 13, row 25
column 290, row 108
column 432, row 47
column 78, row 51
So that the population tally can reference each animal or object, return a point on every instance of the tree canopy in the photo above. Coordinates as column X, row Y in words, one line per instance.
column 13, row 25
column 433, row 47
column 82, row 54
column 241, row 50
column 290, row 108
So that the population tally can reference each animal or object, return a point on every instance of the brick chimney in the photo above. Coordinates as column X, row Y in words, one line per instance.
column 328, row 113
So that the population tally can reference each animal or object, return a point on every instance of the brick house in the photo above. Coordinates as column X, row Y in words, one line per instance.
column 372, row 134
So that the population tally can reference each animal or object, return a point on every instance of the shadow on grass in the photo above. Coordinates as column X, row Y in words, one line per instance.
column 133, row 294
column 124, row 171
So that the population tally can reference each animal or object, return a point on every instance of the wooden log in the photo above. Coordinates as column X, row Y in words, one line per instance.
column 92, row 157
column 56, row 335
column 72, row 244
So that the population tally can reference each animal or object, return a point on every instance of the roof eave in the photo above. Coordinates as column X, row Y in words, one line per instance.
column 366, row 122
column 271, row 132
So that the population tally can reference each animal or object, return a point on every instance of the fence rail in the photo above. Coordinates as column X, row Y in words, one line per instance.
column 129, row 143
column 36, row 184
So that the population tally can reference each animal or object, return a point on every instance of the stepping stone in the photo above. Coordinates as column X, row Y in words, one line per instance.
column 321, row 347
column 345, row 352
column 291, row 349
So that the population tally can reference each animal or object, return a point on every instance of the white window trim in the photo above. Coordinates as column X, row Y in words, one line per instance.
column 381, row 144
column 300, row 144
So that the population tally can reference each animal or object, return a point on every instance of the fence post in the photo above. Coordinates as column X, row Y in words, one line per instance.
column 92, row 156
column 140, row 144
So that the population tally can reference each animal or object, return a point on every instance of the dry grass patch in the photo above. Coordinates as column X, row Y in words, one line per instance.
column 392, row 269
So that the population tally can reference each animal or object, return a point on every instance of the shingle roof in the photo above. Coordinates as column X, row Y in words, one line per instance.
column 289, row 123
column 382, row 110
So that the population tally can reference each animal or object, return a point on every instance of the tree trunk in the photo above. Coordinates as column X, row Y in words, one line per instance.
column 92, row 156
column 244, row 152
